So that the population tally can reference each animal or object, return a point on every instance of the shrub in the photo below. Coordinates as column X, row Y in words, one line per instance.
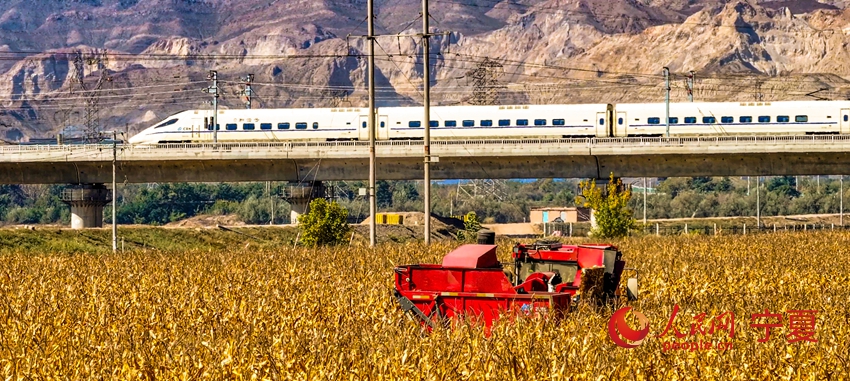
column 324, row 224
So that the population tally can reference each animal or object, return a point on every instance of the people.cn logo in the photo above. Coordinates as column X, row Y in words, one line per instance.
column 622, row 334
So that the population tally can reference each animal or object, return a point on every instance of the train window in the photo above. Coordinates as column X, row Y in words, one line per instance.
column 414, row 124
column 620, row 121
column 540, row 122
column 487, row 123
column 674, row 120
column 434, row 123
column 301, row 126
column 845, row 118
column 558, row 122
column 801, row 118
column 690, row 119
column 783, row 119
column 450, row 123
column 316, row 125
column 764, row 119
column 601, row 121
column 265, row 126
column 217, row 127
column 709, row 119
column 504, row 122
column 745, row 119
column 727, row 119
column 522, row 122
column 382, row 124
column 283, row 126
column 469, row 123
column 247, row 126
column 230, row 126
column 364, row 125
column 167, row 123
column 653, row 120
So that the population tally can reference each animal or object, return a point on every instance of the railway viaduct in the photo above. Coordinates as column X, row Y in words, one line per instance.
column 90, row 166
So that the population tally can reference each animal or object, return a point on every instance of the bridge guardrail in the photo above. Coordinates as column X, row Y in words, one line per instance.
column 291, row 146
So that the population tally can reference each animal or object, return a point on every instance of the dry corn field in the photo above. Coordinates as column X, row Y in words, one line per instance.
column 328, row 314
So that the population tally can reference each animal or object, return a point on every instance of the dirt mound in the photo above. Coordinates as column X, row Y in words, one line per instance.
column 207, row 220
column 525, row 228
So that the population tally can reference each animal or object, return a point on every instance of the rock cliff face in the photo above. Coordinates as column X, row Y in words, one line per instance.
column 155, row 54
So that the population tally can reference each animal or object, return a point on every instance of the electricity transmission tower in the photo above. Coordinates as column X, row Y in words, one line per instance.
column 758, row 95
column 488, row 188
column 485, row 91
column 470, row 190
column 90, row 93
column 336, row 97
column 485, row 82
column 545, row 93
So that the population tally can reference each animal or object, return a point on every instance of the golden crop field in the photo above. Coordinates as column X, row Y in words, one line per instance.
column 307, row 314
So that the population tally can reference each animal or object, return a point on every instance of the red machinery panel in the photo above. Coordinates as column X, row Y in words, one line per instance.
column 472, row 257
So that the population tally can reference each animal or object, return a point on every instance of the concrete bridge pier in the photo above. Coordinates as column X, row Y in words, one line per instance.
column 299, row 196
column 87, row 202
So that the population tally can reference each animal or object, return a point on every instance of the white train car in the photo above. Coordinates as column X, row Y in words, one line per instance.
column 733, row 118
column 518, row 121
column 319, row 124
column 484, row 122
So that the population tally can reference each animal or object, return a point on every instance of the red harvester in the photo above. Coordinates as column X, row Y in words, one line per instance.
column 471, row 281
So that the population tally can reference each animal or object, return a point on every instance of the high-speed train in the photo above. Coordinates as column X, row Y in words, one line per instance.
column 517, row 121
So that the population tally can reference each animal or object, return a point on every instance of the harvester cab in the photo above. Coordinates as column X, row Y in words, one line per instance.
column 589, row 270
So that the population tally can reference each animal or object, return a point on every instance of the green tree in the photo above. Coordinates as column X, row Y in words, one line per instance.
column 613, row 216
column 471, row 226
column 324, row 224
column 384, row 194
column 784, row 186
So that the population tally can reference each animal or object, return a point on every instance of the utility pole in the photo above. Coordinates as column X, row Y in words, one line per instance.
column 644, row 201
column 213, row 76
column 248, row 92
column 426, row 79
column 271, row 202
column 114, row 193
column 667, row 98
column 691, row 86
column 758, row 204
column 373, row 207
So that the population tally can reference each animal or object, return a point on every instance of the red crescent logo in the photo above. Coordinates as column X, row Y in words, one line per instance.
column 617, row 327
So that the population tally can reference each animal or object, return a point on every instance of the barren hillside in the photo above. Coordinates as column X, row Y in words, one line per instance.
column 155, row 54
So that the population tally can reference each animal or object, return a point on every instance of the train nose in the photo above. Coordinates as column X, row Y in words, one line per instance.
column 136, row 139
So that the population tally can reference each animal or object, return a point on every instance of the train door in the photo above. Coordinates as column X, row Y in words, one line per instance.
column 363, row 127
column 381, row 132
column 201, row 127
column 621, row 124
column 845, row 121
column 602, row 128
column 197, row 128
column 383, row 128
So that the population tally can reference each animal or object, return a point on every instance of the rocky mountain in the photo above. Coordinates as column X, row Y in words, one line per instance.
column 139, row 61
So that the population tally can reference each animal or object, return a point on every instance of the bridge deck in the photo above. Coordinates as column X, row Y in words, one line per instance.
column 525, row 158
